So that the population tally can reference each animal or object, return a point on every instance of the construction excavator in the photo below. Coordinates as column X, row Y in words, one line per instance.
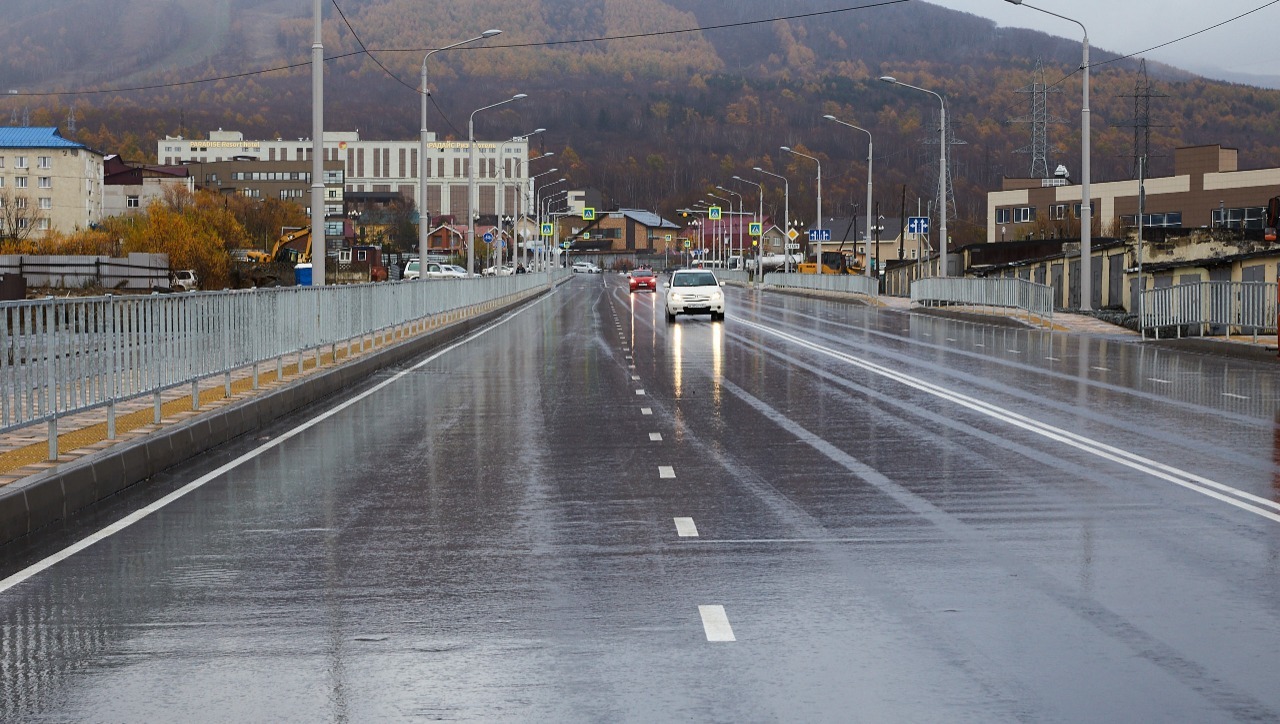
column 269, row 269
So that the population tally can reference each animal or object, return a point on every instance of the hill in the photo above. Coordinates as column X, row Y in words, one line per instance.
column 652, row 116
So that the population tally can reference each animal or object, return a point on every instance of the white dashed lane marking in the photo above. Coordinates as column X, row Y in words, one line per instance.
column 655, row 436
column 666, row 471
column 716, row 623
column 649, row 410
column 641, row 392
column 1232, row 394
column 685, row 528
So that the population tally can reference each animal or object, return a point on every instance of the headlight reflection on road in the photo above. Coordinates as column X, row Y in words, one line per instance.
column 677, row 359
column 717, row 360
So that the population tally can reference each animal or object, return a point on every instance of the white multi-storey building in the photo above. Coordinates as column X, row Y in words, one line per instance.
column 381, row 166
column 49, row 181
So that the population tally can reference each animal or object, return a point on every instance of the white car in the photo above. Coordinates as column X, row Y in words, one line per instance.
column 435, row 270
column 185, row 280
column 694, row 291
column 585, row 267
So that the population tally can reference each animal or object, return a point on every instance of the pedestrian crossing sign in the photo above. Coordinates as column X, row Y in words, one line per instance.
column 589, row 214
column 713, row 213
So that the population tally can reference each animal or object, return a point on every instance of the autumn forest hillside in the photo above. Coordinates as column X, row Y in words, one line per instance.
column 652, row 102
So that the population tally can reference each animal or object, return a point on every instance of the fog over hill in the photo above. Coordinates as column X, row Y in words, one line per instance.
column 650, row 114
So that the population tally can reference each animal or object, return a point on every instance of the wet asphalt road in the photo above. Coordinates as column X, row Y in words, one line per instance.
column 814, row 511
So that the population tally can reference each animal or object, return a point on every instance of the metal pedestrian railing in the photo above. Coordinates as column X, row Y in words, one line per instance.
column 839, row 283
column 1206, row 308
column 1035, row 299
column 65, row 356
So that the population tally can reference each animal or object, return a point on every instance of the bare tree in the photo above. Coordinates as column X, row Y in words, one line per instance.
column 19, row 216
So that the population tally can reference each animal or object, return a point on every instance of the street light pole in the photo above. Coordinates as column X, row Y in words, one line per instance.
column 471, row 182
column 502, row 183
column 318, row 243
column 942, row 170
column 724, row 254
column 524, row 199
column 760, row 217
column 424, row 163
column 870, row 157
column 1086, row 201
column 737, row 224
column 538, row 201
column 818, row 258
column 786, row 214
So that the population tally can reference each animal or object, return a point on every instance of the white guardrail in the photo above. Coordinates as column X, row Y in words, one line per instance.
column 840, row 283
column 64, row 356
column 1035, row 299
column 1249, row 307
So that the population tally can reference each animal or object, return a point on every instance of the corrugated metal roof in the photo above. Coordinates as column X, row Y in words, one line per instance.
column 35, row 137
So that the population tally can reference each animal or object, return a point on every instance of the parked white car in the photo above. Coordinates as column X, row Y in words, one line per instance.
column 185, row 280
column 694, row 291
column 435, row 270
column 585, row 267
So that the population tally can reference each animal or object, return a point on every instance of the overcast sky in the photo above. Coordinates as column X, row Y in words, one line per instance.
column 1243, row 46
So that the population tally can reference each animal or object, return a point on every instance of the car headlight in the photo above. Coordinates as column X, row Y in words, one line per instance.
column 717, row 295
column 675, row 297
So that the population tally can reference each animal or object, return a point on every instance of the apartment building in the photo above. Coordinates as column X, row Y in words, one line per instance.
column 1206, row 190
column 379, row 166
column 47, row 182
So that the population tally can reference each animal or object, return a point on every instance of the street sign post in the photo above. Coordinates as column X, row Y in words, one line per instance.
column 488, row 237
column 755, row 228
column 917, row 224
column 819, row 234
column 547, row 230
column 713, row 213
column 589, row 214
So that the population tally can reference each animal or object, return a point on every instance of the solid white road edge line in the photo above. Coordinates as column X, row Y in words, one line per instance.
column 1211, row 488
column 42, row 565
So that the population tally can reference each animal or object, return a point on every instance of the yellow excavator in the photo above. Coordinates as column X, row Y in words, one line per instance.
column 293, row 247
column 267, row 269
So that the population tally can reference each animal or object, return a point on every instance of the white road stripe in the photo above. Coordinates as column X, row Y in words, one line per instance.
column 666, row 471
column 1054, row 359
column 1101, row 369
column 635, row 378
column 1160, row 381
column 36, row 568
column 639, row 392
column 715, row 623
column 1210, row 488
column 1238, row 397
column 685, row 528
column 655, row 436
column 646, row 410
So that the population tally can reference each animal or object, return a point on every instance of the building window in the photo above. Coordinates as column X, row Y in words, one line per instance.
column 1024, row 214
column 46, row 202
column 362, row 255
column 1002, row 216
column 331, row 194
column 20, row 182
column 1058, row 212
column 42, row 224
column 1253, row 217
column 21, row 162
column 132, row 202
column 20, row 202
column 44, row 162
column 46, row 182
column 1, row 161
column 23, row 223
column 1093, row 210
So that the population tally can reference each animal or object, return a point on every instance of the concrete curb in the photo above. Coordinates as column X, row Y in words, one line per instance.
column 37, row 501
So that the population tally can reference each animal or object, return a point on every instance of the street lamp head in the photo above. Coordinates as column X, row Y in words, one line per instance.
column 889, row 79
column 490, row 33
column 757, row 168
column 830, row 117
column 518, row 96
column 1015, row 2
column 785, row 148
column 737, row 178
column 536, row 131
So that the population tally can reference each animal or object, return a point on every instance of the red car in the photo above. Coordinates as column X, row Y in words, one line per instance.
column 644, row 279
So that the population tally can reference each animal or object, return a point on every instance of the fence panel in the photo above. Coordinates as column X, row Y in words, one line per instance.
column 1035, row 299
column 1238, row 307
column 837, row 283
column 64, row 356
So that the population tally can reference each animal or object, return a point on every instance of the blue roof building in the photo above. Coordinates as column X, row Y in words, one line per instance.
column 49, row 182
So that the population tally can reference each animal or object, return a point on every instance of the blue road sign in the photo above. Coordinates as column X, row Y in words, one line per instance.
column 819, row 234
column 917, row 224
column 488, row 237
